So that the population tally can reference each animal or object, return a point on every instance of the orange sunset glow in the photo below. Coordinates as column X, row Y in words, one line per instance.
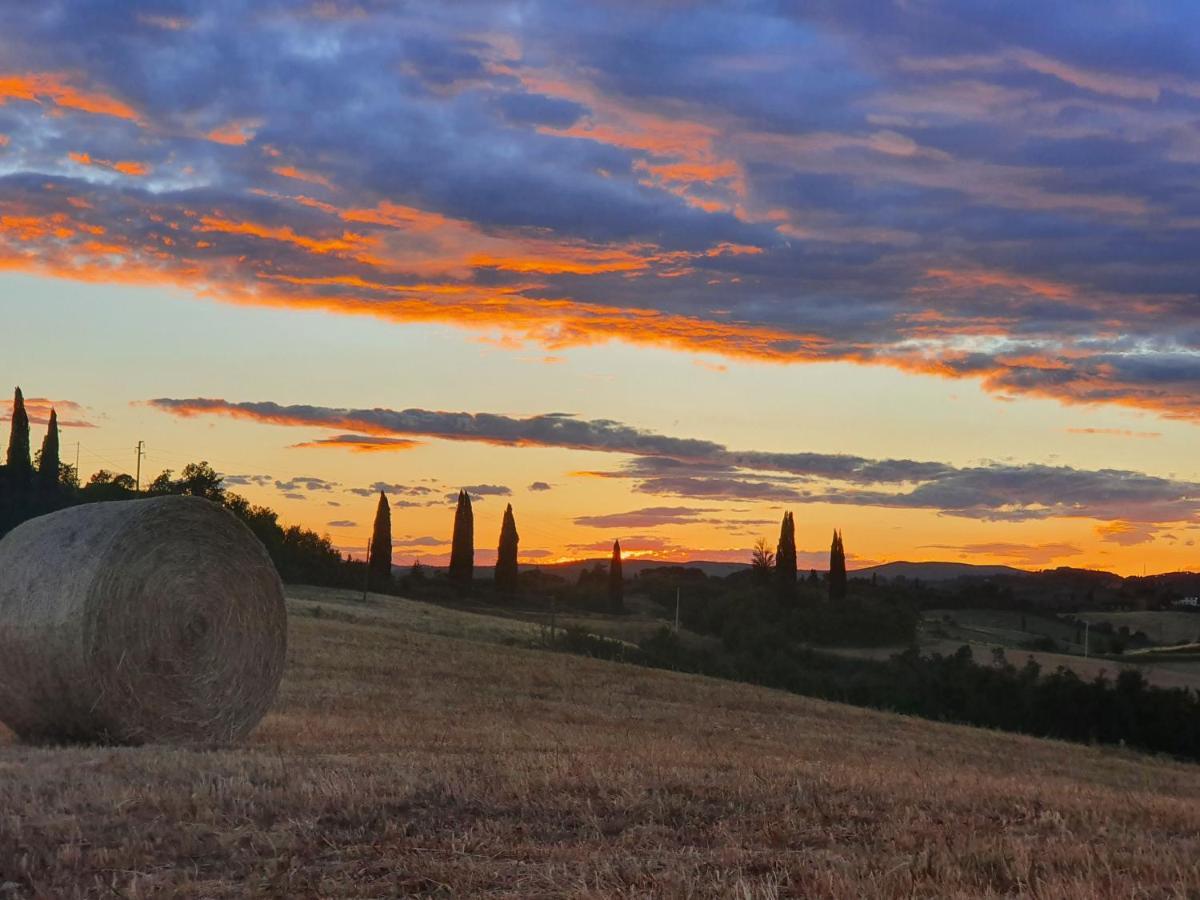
column 591, row 448
column 935, row 292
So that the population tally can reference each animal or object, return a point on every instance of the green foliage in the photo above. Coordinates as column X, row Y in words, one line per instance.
column 583, row 643
column 955, row 688
column 739, row 605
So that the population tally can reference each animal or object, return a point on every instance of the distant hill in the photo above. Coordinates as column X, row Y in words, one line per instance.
column 1063, row 577
column 631, row 567
column 570, row 570
column 936, row 571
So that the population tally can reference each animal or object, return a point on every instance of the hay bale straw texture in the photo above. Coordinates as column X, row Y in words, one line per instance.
column 142, row 621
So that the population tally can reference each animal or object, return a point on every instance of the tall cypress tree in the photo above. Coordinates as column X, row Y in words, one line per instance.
column 19, row 466
column 616, row 581
column 506, row 554
column 462, row 548
column 49, row 463
column 785, row 556
column 837, row 568
column 379, row 562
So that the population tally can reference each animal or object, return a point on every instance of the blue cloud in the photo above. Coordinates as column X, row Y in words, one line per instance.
column 934, row 185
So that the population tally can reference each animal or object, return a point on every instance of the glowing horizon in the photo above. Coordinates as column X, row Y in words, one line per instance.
column 922, row 272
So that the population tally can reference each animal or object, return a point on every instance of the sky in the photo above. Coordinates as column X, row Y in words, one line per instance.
column 923, row 271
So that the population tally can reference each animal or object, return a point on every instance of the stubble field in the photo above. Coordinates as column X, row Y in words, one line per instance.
column 404, row 762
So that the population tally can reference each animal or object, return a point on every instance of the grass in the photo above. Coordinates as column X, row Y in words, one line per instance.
column 1161, row 626
column 402, row 761
column 1001, row 627
column 410, row 615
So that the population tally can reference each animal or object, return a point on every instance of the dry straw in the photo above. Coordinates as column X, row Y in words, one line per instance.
column 143, row 621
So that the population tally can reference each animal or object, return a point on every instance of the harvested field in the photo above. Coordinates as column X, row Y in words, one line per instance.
column 404, row 762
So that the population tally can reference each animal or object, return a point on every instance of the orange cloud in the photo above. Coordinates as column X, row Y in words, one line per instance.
column 236, row 133
column 302, row 175
column 393, row 215
column 1127, row 533
column 357, row 443
column 686, row 156
column 1115, row 432
column 559, row 266
column 1126, row 87
column 412, row 265
column 70, row 413
column 974, row 279
column 717, row 170
column 124, row 166
column 347, row 243
column 728, row 249
column 43, row 87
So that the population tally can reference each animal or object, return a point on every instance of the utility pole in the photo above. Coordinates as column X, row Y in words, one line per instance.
column 1086, row 627
column 677, row 610
column 140, row 453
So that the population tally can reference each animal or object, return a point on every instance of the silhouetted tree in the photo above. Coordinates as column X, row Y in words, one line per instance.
column 462, row 548
column 379, row 561
column 197, row 479
column 785, row 556
column 837, row 568
column 616, row 581
column 19, row 466
column 48, row 462
column 762, row 560
column 104, row 485
column 506, row 555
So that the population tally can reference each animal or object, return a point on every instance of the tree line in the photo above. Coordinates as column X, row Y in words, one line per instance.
column 32, row 485
column 38, row 483
column 781, row 566
column 506, row 581
column 767, row 619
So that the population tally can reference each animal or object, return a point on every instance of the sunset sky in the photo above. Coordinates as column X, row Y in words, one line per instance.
column 924, row 271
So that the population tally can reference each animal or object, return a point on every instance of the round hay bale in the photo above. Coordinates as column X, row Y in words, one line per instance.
column 140, row 621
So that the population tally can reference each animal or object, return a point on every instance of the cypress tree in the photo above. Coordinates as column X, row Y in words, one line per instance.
column 462, row 548
column 837, row 568
column 18, row 474
column 506, row 555
column 616, row 581
column 785, row 555
column 48, row 465
column 19, row 466
column 379, row 561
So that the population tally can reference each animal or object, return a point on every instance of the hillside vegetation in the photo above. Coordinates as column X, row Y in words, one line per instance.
column 417, row 750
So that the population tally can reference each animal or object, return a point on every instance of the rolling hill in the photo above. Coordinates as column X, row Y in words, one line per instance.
column 417, row 750
column 935, row 571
